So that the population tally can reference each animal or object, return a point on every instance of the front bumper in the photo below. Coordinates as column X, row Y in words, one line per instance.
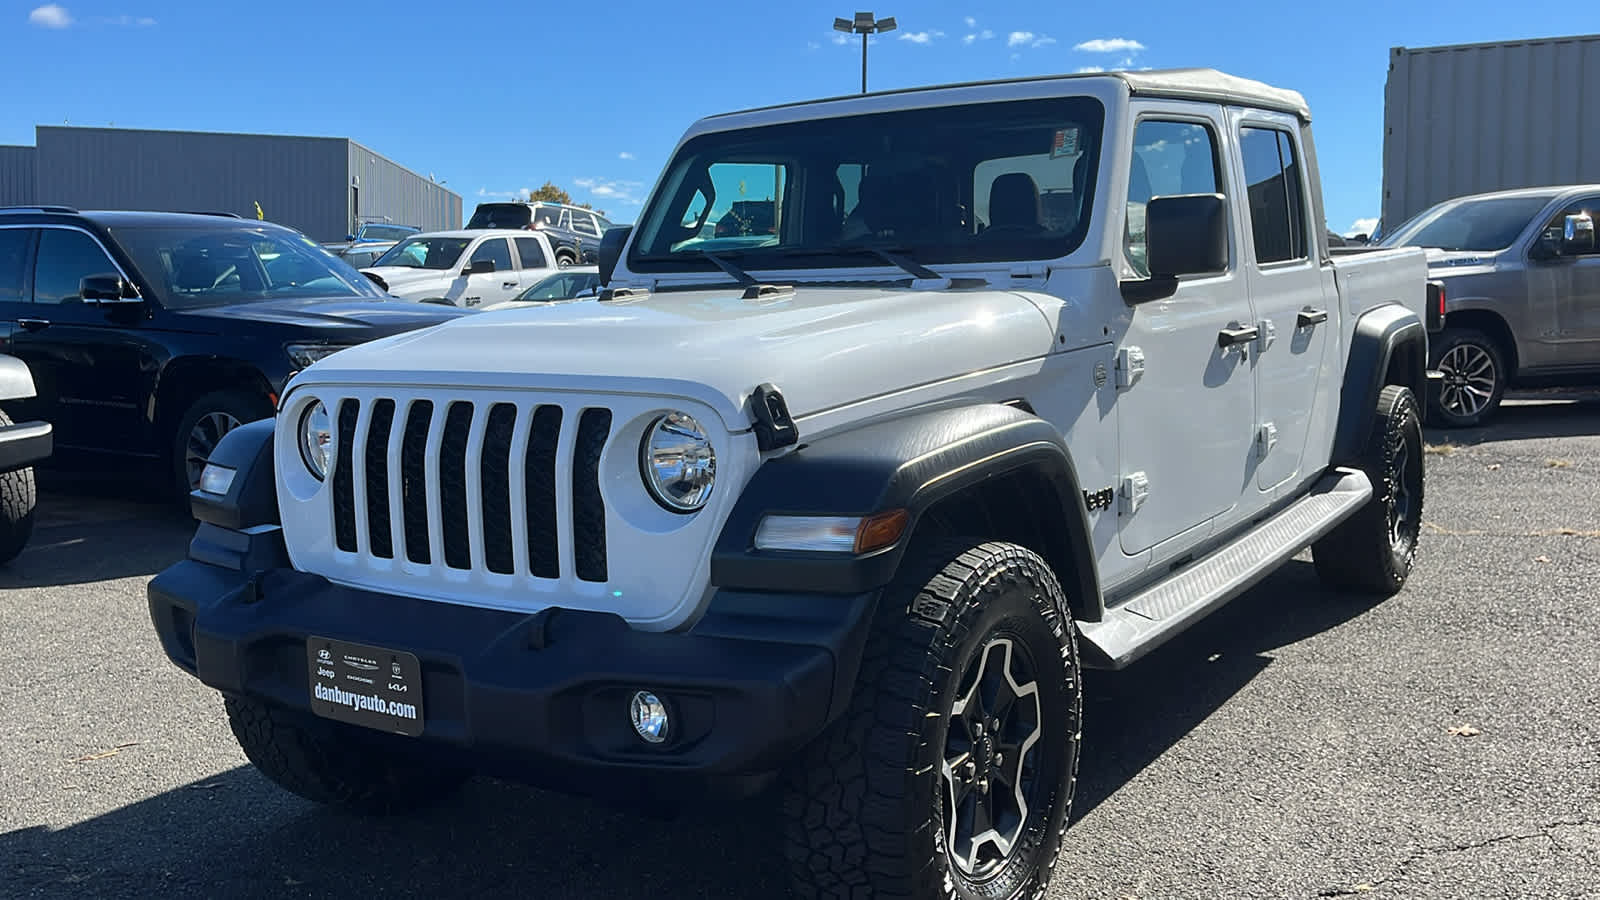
column 757, row 677
column 24, row 444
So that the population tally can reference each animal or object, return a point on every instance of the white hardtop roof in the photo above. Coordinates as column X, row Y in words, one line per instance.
column 473, row 232
column 1209, row 85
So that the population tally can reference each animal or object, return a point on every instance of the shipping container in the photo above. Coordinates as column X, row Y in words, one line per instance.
column 1471, row 118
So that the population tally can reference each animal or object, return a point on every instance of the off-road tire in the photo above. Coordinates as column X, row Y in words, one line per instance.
column 1363, row 554
column 18, row 497
column 863, row 807
column 306, row 756
column 243, row 406
column 1475, row 342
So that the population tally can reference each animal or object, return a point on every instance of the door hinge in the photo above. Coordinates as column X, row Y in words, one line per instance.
column 1130, row 366
column 1135, row 491
column 1269, row 333
column 1266, row 439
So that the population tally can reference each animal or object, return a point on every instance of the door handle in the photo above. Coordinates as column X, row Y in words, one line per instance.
column 1309, row 317
column 34, row 324
column 508, row 284
column 1227, row 337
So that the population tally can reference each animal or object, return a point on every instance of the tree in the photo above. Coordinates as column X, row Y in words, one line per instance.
column 549, row 193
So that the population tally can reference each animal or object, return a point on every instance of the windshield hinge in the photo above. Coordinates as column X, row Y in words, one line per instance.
column 768, row 291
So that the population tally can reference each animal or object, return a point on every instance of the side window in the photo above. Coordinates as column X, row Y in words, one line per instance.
column 497, row 251
column 1168, row 158
column 65, row 257
column 1557, row 226
column 1276, row 193
column 531, row 253
column 584, row 223
column 13, row 263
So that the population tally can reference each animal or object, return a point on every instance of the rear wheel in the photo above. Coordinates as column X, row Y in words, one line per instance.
column 306, row 756
column 18, row 498
column 203, row 426
column 563, row 260
column 1475, row 376
column 1372, row 551
column 952, row 772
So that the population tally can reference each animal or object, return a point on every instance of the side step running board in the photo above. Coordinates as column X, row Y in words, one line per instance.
column 1147, row 619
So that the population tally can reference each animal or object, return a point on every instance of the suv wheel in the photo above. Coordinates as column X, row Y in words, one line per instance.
column 17, row 500
column 952, row 771
column 202, row 428
column 305, row 755
column 1475, row 378
column 563, row 260
column 1372, row 551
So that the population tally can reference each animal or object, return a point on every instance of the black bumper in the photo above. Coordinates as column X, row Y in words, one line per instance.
column 756, row 678
column 24, row 444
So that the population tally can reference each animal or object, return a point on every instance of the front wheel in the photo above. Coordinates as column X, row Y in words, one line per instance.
column 18, row 497
column 952, row 772
column 202, row 428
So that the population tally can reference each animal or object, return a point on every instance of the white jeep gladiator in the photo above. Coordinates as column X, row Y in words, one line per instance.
column 1025, row 377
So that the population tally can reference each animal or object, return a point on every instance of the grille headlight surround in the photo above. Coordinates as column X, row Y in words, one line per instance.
column 317, row 440
column 678, row 463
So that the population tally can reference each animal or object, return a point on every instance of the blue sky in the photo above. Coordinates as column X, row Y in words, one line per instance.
column 496, row 98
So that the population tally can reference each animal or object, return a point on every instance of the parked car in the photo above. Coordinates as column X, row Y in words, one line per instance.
column 361, row 256
column 463, row 268
column 572, row 283
column 1521, row 272
column 373, row 233
column 845, row 519
column 151, row 335
column 574, row 232
column 21, row 445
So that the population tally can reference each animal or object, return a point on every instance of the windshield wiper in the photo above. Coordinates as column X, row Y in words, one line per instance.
column 894, row 256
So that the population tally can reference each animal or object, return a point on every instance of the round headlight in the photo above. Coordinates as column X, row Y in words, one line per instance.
column 678, row 462
column 316, row 439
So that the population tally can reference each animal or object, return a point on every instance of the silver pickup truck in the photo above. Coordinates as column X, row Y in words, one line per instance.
column 1521, row 275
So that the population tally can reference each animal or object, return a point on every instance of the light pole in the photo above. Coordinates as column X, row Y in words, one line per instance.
column 864, row 24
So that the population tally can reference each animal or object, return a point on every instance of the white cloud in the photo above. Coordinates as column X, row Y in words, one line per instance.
column 518, row 194
column 971, row 22
column 1362, row 226
column 1028, row 39
column 1110, row 45
column 840, row 38
column 125, row 21
column 983, row 35
column 812, row 45
column 1086, row 70
column 624, row 155
column 921, row 37
column 50, row 16
column 616, row 191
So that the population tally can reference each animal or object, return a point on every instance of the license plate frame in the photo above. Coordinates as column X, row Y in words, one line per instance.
column 360, row 684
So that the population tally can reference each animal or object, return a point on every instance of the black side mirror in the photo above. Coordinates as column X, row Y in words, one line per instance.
column 611, row 244
column 1185, row 234
column 107, row 288
column 478, row 267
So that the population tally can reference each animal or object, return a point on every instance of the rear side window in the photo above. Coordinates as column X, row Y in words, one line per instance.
column 65, row 258
column 13, row 263
column 500, row 215
column 532, row 254
column 1277, row 194
column 584, row 224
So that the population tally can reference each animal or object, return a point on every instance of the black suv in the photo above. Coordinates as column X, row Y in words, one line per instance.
column 150, row 335
column 574, row 232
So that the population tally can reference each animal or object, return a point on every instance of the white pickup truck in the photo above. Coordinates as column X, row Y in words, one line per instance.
column 1025, row 377
column 464, row 268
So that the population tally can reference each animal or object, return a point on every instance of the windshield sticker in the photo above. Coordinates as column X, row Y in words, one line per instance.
column 1065, row 143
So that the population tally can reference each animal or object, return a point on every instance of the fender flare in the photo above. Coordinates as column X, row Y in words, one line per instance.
column 16, row 381
column 252, row 496
column 1382, row 334
column 908, row 462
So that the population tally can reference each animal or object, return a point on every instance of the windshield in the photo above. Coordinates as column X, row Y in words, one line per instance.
column 1485, row 225
column 500, row 215
column 987, row 181
column 562, row 286
column 210, row 267
column 425, row 253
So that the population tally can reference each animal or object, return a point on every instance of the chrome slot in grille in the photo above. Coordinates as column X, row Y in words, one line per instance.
column 451, row 474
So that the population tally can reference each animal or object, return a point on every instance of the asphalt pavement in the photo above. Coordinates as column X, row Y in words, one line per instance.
column 1297, row 744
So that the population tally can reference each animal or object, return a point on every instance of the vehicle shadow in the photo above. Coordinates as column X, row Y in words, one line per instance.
column 87, row 530
column 237, row 835
column 1528, row 417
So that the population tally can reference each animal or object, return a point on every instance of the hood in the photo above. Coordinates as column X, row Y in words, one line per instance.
column 363, row 319
column 1457, row 259
column 821, row 346
column 393, row 275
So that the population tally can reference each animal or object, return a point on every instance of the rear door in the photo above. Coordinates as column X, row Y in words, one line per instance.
column 16, row 281
column 1289, row 289
column 533, row 263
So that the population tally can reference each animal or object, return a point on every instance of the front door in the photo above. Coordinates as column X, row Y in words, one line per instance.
column 492, row 287
column 89, row 362
column 16, row 280
column 1184, row 425
column 1289, row 291
column 1575, row 282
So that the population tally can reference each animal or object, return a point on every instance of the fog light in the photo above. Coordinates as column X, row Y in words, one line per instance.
column 215, row 479
column 649, row 716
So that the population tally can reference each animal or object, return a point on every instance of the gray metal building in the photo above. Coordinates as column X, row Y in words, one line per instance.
column 322, row 186
column 1471, row 118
